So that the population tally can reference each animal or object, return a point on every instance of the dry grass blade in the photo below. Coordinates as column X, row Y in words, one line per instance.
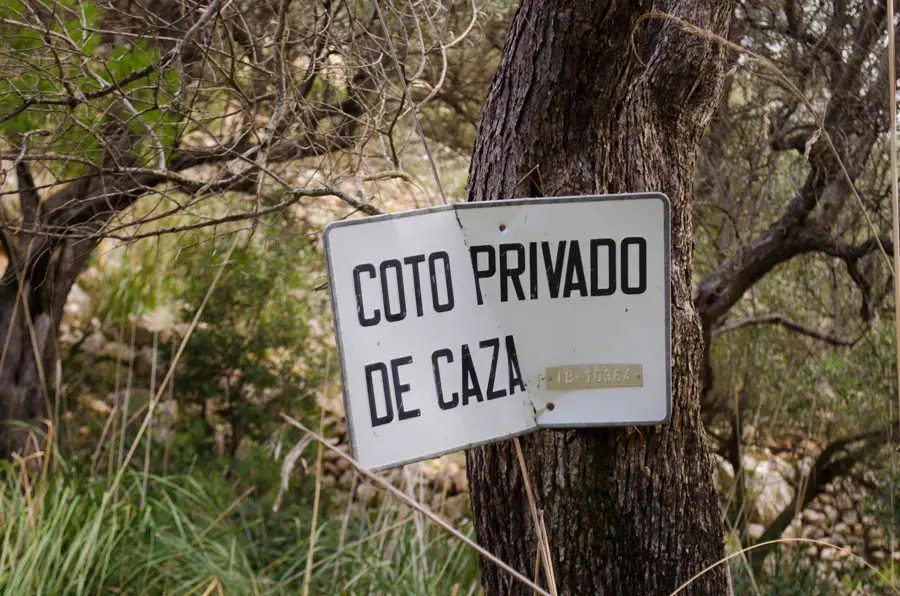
column 307, row 578
column 743, row 552
column 226, row 512
column 287, row 468
column 418, row 507
column 539, row 530
column 895, row 202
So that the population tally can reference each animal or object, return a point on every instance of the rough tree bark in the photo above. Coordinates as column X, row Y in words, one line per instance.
column 45, row 256
column 593, row 97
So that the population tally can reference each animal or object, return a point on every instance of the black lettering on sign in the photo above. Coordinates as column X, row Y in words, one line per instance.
column 438, row 385
column 533, row 269
column 512, row 362
column 433, row 258
column 610, row 288
column 357, row 287
column 489, row 270
column 470, row 385
column 641, row 246
column 390, row 314
column 494, row 344
column 401, row 388
column 509, row 273
column 414, row 261
column 554, row 269
column 575, row 272
column 564, row 266
column 381, row 369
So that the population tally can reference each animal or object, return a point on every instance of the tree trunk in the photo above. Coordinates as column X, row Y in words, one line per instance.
column 590, row 98
column 56, row 238
column 33, row 291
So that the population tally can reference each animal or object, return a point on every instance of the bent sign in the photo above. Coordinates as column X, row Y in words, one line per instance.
column 469, row 323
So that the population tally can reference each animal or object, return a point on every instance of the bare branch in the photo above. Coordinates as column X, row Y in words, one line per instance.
column 782, row 321
column 80, row 97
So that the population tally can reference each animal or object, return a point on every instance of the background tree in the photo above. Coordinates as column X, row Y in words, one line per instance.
column 178, row 104
column 793, row 235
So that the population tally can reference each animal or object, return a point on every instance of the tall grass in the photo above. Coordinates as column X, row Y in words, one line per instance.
column 64, row 535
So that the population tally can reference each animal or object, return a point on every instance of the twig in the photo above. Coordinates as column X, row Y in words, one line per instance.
column 315, row 514
column 783, row 321
column 741, row 552
column 539, row 530
column 415, row 112
column 895, row 202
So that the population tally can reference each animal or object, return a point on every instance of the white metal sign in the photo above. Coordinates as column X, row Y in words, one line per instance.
column 469, row 323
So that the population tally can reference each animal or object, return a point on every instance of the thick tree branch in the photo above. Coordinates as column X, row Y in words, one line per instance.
column 28, row 196
column 783, row 321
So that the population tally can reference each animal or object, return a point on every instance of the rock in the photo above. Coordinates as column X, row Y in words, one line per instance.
column 78, row 307
column 160, row 320
column 94, row 343
column 145, row 358
column 427, row 495
column 365, row 493
column 456, row 507
column 723, row 476
column 69, row 335
column 116, row 351
column 95, row 405
column 831, row 514
column 844, row 502
column 836, row 539
column 813, row 532
column 766, row 484
column 828, row 553
column 461, row 483
column 842, row 529
column 756, row 531
column 813, row 517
